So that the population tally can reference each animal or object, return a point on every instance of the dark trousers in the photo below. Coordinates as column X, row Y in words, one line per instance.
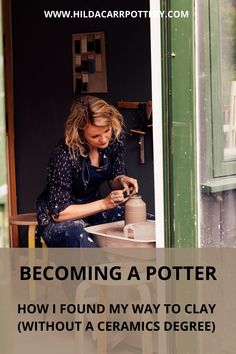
column 72, row 233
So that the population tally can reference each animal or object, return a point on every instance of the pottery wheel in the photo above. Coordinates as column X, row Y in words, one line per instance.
column 115, row 230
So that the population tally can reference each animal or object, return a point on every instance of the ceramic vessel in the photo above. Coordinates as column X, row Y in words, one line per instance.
column 135, row 210
column 143, row 231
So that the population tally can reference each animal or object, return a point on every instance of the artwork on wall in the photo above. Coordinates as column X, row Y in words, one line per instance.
column 89, row 62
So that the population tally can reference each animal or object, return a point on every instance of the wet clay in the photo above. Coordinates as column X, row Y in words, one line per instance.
column 135, row 210
column 114, row 231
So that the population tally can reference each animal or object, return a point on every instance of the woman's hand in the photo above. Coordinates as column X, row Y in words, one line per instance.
column 114, row 198
column 130, row 185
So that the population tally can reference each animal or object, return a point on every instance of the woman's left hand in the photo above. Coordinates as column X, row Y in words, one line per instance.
column 130, row 184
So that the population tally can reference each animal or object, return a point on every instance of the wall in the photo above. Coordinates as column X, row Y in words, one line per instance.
column 218, row 224
column 43, row 84
column 217, row 220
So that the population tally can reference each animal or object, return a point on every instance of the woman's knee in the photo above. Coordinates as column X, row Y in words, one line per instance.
column 68, row 234
column 78, row 237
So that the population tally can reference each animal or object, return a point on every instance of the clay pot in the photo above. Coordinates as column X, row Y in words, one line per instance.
column 135, row 210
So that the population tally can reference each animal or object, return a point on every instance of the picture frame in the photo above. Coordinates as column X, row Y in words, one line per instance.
column 89, row 63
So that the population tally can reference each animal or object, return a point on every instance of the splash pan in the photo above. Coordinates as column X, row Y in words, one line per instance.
column 111, row 235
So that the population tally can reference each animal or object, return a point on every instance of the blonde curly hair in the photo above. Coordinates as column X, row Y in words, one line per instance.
column 89, row 110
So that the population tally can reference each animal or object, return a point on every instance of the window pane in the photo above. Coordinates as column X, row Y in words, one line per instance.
column 228, row 74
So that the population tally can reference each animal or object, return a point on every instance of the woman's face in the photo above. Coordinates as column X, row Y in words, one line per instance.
column 98, row 137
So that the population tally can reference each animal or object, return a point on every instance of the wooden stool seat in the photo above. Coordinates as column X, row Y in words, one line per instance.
column 30, row 220
column 24, row 219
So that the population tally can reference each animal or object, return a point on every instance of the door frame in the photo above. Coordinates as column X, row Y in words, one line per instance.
column 9, row 108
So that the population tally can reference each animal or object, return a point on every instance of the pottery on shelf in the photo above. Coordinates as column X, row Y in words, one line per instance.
column 135, row 210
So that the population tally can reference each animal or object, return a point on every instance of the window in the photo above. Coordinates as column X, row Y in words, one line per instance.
column 216, row 48
column 222, row 29
column 216, row 121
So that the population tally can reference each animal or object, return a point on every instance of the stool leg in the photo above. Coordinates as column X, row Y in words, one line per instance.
column 31, row 245
column 43, row 243
column 31, row 236
column 102, row 337
column 145, row 298
column 44, row 251
column 80, row 317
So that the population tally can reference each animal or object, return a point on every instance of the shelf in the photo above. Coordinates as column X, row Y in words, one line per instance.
column 131, row 131
column 219, row 184
column 128, row 105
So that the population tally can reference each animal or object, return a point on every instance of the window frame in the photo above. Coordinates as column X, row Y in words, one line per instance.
column 220, row 173
column 221, row 166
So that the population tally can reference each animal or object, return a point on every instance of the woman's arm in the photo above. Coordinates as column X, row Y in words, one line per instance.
column 79, row 211
column 76, row 211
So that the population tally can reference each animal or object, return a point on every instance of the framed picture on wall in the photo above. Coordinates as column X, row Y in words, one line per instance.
column 89, row 62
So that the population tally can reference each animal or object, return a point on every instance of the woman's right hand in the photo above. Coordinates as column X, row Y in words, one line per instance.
column 115, row 198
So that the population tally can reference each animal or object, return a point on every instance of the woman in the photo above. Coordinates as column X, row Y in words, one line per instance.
column 91, row 153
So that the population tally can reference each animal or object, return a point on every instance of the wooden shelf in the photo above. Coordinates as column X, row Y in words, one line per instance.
column 136, row 131
column 148, row 108
column 128, row 105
